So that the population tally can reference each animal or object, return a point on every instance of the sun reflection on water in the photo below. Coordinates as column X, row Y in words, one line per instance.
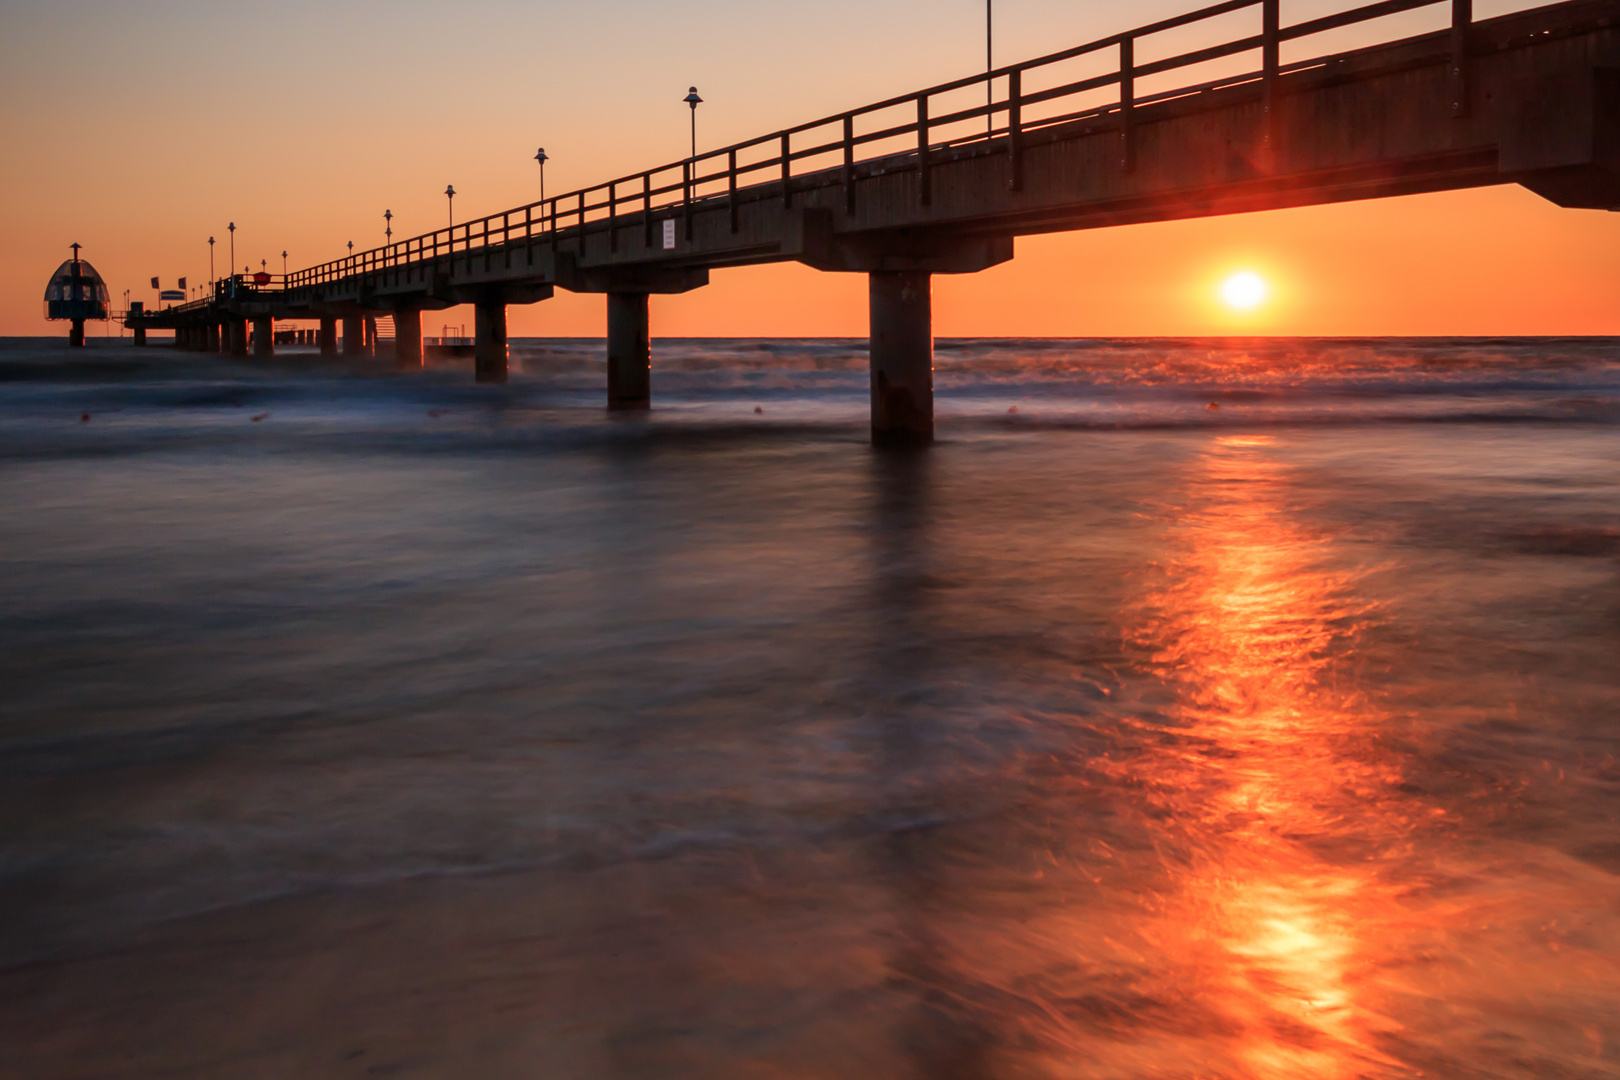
column 1274, row 785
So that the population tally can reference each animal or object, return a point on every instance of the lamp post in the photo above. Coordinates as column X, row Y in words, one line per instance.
column 540, row 156
column 283, row 268
column 989, row 66
column 388, row 226
column 694, row 101
column 450, row 193
column 210, row 262
column 233, row 257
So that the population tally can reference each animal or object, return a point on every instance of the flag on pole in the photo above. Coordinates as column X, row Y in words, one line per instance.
column 182, row 284
column 155, row 284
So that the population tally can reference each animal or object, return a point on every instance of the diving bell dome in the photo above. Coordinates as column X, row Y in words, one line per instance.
column 76, row 292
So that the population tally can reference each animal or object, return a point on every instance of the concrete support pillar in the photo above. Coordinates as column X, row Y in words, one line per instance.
column 140, row 336
column 408, row 338
column 213, row 337
column 354, row 335
column 76, row 334
column 264, row 336
column 328, row 336
column 629, row 352
column 238, row 333
column 489, row 346
column 371, row 335
column 902, row 351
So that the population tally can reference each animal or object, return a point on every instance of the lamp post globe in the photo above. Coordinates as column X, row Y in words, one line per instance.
column 694, row 101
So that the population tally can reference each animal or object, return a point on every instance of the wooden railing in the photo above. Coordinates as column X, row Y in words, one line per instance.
column 677, row 186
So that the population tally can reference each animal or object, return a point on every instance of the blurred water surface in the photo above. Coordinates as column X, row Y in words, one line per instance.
column 1191, row 710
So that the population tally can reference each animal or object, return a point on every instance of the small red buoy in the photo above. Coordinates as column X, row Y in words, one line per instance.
column 757, row 409
column 84, row 418
column 1214, row 407
column 261, row 416
column 1013, row 409
column 435, row 413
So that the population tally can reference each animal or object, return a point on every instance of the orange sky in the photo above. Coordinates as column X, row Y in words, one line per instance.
column 140, row 130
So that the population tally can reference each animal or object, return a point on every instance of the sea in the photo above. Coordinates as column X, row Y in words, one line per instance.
column 1191, row 710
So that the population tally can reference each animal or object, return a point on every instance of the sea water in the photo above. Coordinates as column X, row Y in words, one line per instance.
column 1192, row 709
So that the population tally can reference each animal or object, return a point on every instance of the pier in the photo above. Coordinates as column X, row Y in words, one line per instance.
column 943, row 180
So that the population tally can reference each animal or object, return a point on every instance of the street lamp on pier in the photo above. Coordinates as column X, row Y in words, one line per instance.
column 388, row 226
column 233, row 257
column 540, row 156
column 450, row 193
column 283, row 268
column 210, row 262
column 989, row 66
column 694, row 101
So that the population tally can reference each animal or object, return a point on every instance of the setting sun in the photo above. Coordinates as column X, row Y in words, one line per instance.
column 1245, row 291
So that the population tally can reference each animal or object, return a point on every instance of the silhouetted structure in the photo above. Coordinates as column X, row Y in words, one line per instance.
column 916, row 186
column 76, row 293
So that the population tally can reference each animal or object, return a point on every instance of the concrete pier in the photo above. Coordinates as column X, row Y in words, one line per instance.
column 238, row 334
column 629, row 346
column 902, row 351
column 489, row 345
column 76, row 334
column 329, row 344
column 140, row 336
column 213, row 338
column 408, row 338
column 354, row 335
column 264, row 336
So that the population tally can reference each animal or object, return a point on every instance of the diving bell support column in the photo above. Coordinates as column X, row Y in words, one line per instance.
column 629, row 352
column 902, row 358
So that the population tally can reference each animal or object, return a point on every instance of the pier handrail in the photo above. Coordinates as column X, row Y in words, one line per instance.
column 677, row 185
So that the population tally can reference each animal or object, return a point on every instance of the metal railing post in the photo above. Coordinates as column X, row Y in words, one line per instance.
column 1127, row 104
column 646, row 208
column 686, row 177
column 925, row 179
column 1015, row 130
column 787, row 172
column 1270, row 52
column 849, row 163
column 613, row 217
column 731, row 164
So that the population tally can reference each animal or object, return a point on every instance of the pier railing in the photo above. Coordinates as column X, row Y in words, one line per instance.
column 1015, row 104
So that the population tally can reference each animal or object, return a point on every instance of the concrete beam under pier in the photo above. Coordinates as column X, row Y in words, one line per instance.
column 629, row 345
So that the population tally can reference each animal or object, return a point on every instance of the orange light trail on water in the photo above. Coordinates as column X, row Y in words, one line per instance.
column 1274, row 771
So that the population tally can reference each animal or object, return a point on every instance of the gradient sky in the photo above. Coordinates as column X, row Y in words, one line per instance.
column 141, row 127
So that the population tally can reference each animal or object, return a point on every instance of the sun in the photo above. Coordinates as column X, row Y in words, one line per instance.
column 1245, row 291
